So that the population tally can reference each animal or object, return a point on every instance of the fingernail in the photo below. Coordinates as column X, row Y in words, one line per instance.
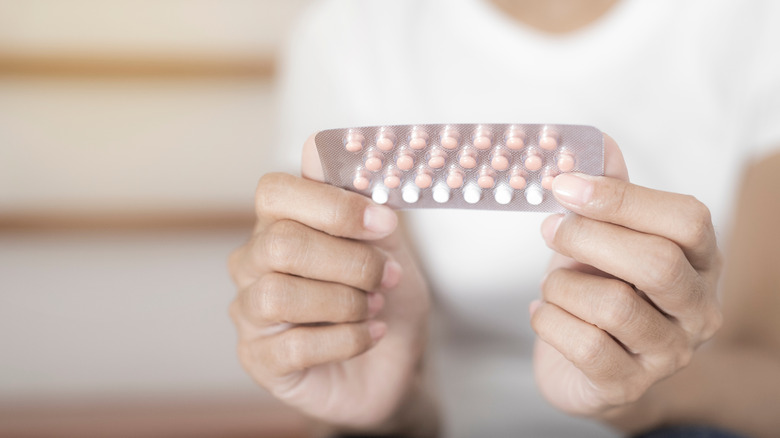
column 375, row 303
column 550, row 227
column 533, row 306
column 572, row 189
column 376, row 329
column 392, row 274
column 379, row 219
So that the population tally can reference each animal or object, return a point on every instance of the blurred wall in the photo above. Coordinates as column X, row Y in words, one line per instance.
column 132, row 134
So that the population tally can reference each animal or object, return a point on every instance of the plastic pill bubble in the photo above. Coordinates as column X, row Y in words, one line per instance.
column 482, row 138
column 405, row 159
column 410, row 193
column 534, row 195
column 565, row 161
column 354, row 142
column 385, row 141
column 418, row 139
column 362, row 180
column 374, row 160
column 503, row 194
column 437, row 158
column 424, row 178
column 487, row 178
column 533, row 160
column 514, row 139
column 392, row 178
column 441, row 193
column 454, row 178
column 499, row 159
column 449, row 139
column 472, row 193
column 548, row 140
column 548, row 175
column 380, row 194
column 467, row 158
column 517, row 178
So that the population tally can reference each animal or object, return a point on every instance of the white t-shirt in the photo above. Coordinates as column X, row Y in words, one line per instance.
column 689, row 89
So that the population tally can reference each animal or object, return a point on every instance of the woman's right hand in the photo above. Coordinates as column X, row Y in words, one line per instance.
column 331, row 309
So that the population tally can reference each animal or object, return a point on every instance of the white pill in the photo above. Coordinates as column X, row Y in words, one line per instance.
column 472, row 193
column 410, row 193
column 503, row 194
column 441, row 193
column 380, row 194
column 534, row 195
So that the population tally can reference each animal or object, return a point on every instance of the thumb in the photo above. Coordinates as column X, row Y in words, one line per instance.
column 311, row 168
column 614, row 164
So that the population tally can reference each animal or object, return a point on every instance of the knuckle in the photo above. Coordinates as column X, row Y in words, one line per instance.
column 354, row 339
column 282, row 244
column 267, row 300
column 292, row 352
column 698, row 228
column 664, row 267
column 370, row 264
column 345, row 211
column 590, row 348
column 553, row 282
column 615, row 200
column 620, row 305
column 234, row 263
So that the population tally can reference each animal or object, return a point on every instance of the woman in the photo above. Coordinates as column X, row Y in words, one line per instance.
column 690, row 92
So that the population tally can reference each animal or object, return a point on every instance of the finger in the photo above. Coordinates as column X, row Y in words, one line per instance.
column 680, row 218
column 614, row 163
column 292, row 248
column 323, row 207
column 655, row 265
column 279, row 298
column 603, row 361
column 615, row 307
column 304, row 347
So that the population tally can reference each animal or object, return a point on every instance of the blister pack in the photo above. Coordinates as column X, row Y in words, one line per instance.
column 468, row 166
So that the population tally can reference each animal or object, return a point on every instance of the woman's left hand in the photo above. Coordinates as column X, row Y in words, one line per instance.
column 630, row 294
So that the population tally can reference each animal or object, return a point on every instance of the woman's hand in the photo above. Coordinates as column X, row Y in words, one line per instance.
column 630, row 294
column 331, row 309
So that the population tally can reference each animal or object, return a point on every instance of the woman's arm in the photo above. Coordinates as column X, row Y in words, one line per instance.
column 734, row 382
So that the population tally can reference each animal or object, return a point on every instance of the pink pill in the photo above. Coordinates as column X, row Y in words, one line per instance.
column 418, row 143
column 360, row 182
column 482, row 142
column 405, row 162
column 533, row 162
column 468, row 162
column 449, row 142
column 548, row 142
column 437, row 158
column 384, row 143
column 423, row 180
column 515, row 143
column 374, row 163
column 486, row 181
column 547, row 182
column 354, row 145
column 500, row 162
column 392, row 181
column 455, row 179
column 517, row 182
column 565, row 162
column 437, row 162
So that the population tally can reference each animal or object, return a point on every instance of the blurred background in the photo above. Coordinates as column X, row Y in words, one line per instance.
column 132, row 134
